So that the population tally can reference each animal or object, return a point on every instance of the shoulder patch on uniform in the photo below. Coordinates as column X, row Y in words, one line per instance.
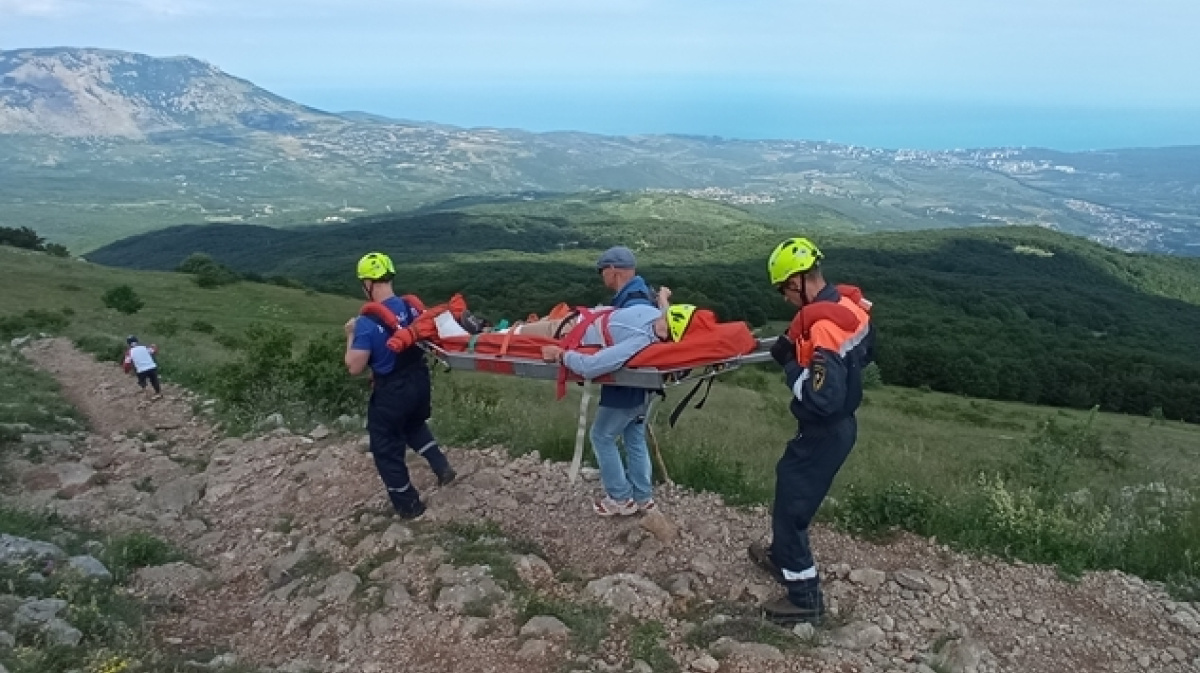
column 818, row 376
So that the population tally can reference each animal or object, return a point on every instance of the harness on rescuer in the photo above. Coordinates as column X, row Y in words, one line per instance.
column 679, row 318
column 422, row 328
column 401, row 337
column 574, row 338
column 842, row 316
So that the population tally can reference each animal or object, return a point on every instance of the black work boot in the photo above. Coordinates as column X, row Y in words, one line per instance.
column 760, row 554
column 412, row 513
column 447, row 476
column 784, row 611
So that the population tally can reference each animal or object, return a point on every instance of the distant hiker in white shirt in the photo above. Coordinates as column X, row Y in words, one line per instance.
column 140, row 359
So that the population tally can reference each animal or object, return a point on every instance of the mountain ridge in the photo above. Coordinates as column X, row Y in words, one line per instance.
column 81, row 92
column 188, row 144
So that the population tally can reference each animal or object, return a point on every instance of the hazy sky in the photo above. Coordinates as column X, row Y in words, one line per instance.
column 1066, row 73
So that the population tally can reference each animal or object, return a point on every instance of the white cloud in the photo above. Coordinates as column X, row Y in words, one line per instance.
column 165, row 7
column 31, row 7
column 121, row 9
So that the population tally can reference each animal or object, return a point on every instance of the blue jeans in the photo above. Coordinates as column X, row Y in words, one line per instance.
column 630, row 425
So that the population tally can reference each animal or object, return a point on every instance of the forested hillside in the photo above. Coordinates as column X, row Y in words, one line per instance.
column 1009, row 313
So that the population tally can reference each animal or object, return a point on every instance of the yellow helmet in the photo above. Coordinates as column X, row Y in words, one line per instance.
column 375, row 266
column 793, row 256
column 679, row 316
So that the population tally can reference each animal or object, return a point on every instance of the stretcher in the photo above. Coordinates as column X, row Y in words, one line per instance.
column 649, row 377
column 656, row 368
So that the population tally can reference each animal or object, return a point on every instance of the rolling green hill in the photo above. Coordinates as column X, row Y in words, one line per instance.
column 1010, row 313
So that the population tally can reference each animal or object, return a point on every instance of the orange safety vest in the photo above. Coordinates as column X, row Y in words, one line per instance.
column 834, row 326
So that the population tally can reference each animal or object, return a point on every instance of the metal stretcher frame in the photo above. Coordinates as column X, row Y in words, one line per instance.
column 634, row 377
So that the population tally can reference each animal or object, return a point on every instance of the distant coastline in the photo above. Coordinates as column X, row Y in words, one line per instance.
column 880, row 122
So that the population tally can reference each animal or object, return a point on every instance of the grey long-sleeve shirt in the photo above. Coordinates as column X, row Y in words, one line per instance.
column 632, row 329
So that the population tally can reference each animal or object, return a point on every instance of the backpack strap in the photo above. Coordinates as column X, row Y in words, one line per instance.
column 636, row 294
column 383, row 316
column 688, row 398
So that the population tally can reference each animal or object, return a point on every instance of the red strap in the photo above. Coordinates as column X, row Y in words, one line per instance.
column 839, row 315
column 605, row 334
column 414, row 301
column 381, row 313
column 575, row 337
column 507, row 339
column 855, row 294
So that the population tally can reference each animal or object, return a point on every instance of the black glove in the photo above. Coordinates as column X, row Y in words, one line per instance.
column 784, row 351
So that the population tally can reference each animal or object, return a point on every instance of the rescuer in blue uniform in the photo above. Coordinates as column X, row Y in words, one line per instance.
column 401, row 390
column 823, row 354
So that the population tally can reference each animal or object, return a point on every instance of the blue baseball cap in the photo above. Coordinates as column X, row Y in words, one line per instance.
column 618, row 257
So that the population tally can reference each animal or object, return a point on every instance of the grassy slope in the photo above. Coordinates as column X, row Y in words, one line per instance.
column 936, row 442
column 32, row 280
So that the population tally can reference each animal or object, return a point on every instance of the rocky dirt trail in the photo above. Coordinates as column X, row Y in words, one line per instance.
column 296, row 565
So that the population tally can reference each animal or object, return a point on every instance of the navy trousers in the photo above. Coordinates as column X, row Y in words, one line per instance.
column 396, row 420
column 802, row 480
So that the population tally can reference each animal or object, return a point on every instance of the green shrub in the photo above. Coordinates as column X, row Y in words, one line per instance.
column 706, row 470
column 872, row 377
column 103, row 347
column 214, row 278
column 208, row 272
column 231, row 342
column 32, row 322
column 588, row 621
column 123, row 299
column 9, row 435
column 137, row 550
column 646, row 643
column 165, row 326
column 22, row 237
column 269, row 376
column 25, row 523
column 897, row 505
column 1054, row 459
column 1016, row 522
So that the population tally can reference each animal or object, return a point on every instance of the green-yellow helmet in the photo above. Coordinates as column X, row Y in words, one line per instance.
column 375, row 266
column 679, row 316
column 793, row 256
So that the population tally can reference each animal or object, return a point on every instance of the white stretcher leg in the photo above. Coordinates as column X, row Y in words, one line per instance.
column 580, row 430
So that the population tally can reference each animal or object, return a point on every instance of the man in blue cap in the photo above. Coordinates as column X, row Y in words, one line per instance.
column 622, row 411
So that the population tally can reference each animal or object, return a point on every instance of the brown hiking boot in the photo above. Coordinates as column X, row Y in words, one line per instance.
column 784, row 612
column 760, row 554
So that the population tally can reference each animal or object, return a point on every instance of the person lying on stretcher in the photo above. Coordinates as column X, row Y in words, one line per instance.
column 556, row 325
column 621, row 334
